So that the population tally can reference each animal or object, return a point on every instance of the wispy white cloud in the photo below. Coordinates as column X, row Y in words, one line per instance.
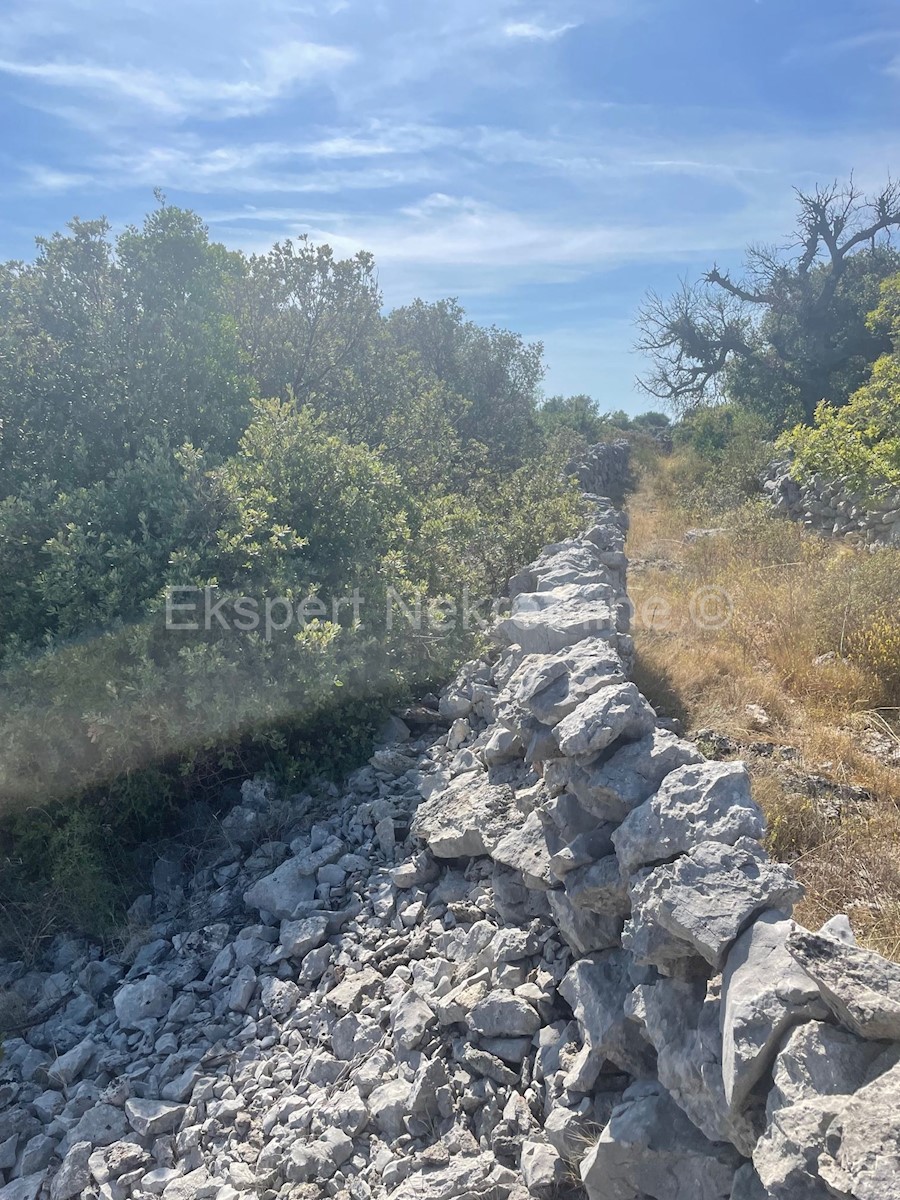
column 50, row 179
column 275, row 74
column 535, row 31
column 470, row 244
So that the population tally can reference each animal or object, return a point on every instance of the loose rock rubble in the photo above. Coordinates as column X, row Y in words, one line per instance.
column 535, row 949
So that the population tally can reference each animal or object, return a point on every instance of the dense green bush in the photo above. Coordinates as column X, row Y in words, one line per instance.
column 397, row 456
column 860, row 441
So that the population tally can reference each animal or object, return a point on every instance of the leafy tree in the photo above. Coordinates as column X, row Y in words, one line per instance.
column 108, row 346
column 861, row 440
column 792, row 329
column 184, row 374
column 312, row 510
column 651, row 422
column 493, row 375
column 305, row 317
column 579, row 413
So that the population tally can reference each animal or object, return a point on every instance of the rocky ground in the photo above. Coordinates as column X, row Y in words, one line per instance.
column 532, row 948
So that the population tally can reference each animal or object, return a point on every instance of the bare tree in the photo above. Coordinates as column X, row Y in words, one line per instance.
column 692, row 337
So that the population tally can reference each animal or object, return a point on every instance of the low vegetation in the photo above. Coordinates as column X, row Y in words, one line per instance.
column 753, row 613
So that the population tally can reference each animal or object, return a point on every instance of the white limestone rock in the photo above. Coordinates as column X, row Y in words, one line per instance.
column 411, row 1019
column 706, row 802
column 699, row 904
column 524, row 849
column 650, row 1149
column 862, row 1143
column 612, row 786
column 284, row 891
column 563, row 624
column 681, row 1021
column 73, row 1176
column 616, row 712
column 470, row 817
column 150, row 1118
column 501, row 1014
column 860, row 987
column 819, row 1068
column 596, row 988
column 543, row 1170
column 599, row 887
column 764, row 994
column 146, row 999
column 584, row 930
column 549, row 686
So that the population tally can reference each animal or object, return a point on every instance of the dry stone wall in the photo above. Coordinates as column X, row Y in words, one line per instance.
column 832, row 507
column 533, row 948
column 605, row 470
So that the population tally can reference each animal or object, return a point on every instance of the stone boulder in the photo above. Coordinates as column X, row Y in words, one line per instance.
column 699, row 904
column 616, row 712
column 650, row 1149
column 764, row 994
column 706, row 802
column 861, row 988
column 470, row 817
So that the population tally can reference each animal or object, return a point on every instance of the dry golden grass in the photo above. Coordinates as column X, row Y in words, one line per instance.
column 789, row 597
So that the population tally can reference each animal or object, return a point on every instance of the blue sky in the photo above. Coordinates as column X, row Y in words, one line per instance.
column 544, row 163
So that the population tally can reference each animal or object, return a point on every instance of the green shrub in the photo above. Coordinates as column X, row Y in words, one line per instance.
column 720, row 454
column 397, row 455
column 859, row 441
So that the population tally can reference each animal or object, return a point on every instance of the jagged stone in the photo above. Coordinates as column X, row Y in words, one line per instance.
column 651, row 1149
column 69, row 1066
column 706, row 802
column 565, row 623
column 599, row 887
column 542, row 1168
column 146, row 1000
column 470, row 817
column 699, row 904
column 584, row 930
column 524, row 849
column 283, row 892
column 411, row 1019
column 297, row 938
column 73, row 1176
column 501, row 747
column 764, row 993
column 596, row 988
column 101, row 1126
column 612, row 786
column 681, row 1022
column 861, row 988
column 610, row 714
column 818, row 1069
column 548, row 687
column 349, row 993
column 150, row 1118
column 455, row 1007
column 472, row 1178
column 862, row 1144
column 502, row 1014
